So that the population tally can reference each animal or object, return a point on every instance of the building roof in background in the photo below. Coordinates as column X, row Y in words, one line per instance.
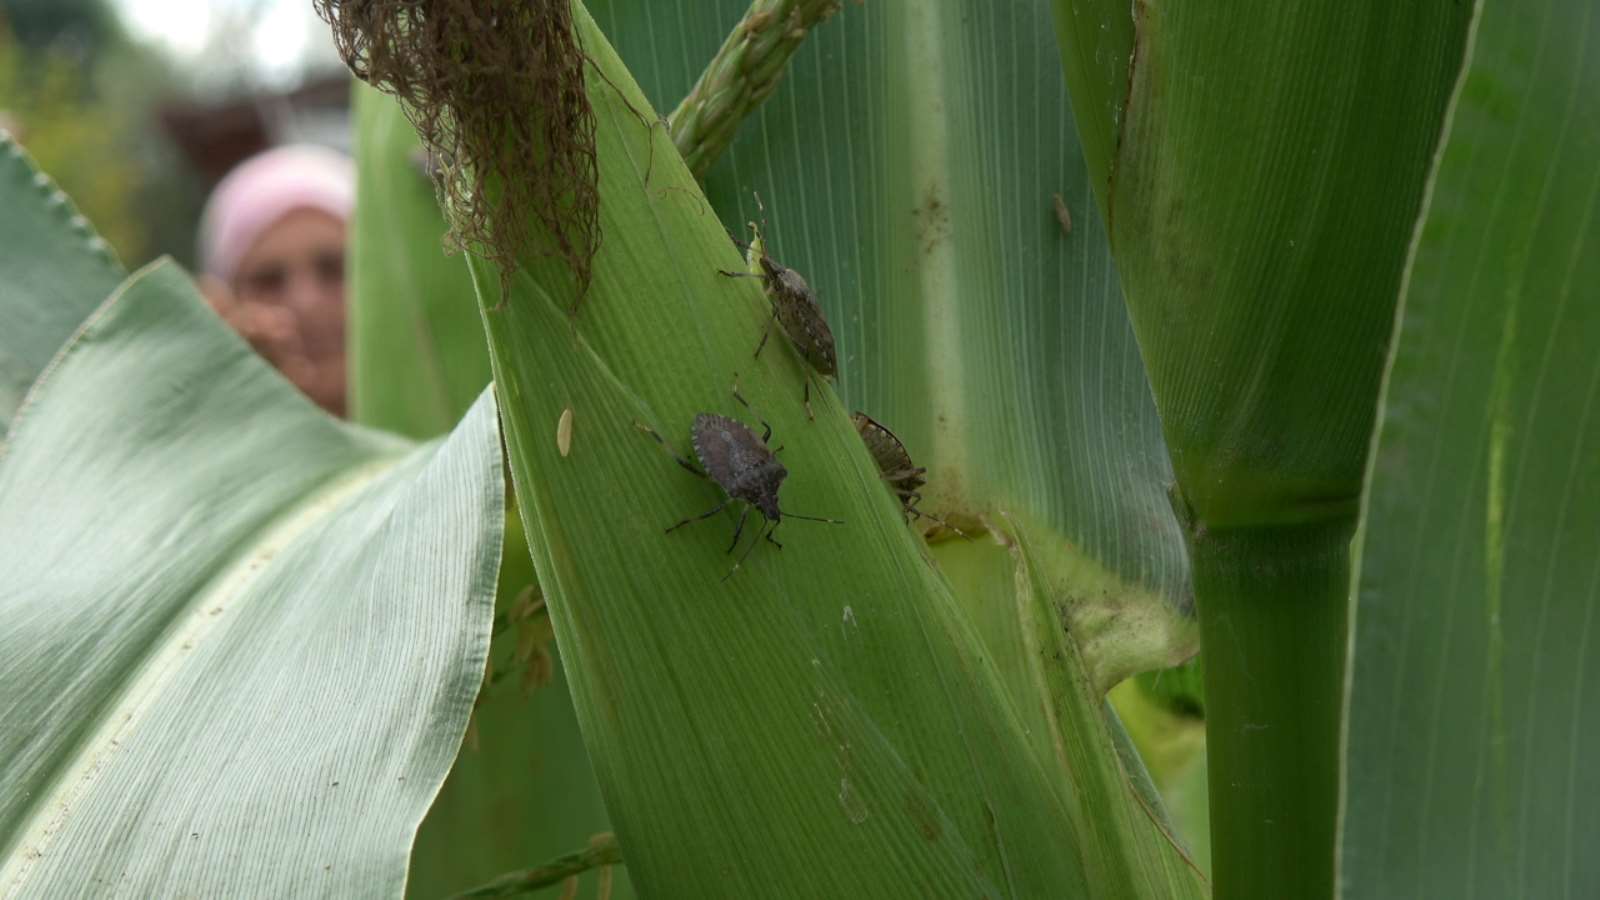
column 215, row 136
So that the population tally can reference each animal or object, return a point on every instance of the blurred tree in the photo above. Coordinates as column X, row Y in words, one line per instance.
column 83, row 27
column 80, row 141
column 78, row 93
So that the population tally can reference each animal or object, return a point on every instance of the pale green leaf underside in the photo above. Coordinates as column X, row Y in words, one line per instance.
column 907, row 163
column 242, row 640
column 57, row 271
column 1474, row 713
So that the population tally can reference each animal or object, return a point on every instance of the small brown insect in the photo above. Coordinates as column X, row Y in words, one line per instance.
column 740, row 463
column 794, row 307
column 904, row 477
column 1062, row 214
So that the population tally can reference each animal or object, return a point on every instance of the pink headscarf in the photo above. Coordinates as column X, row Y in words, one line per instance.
column 265, row 188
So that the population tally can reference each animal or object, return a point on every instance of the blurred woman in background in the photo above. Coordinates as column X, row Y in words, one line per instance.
column 272, row 243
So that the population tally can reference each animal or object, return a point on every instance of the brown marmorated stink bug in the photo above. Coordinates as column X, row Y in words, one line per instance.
column 740, row 463
column 904, row 478
column 794, row 307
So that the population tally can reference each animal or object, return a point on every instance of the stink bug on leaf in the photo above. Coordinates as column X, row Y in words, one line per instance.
column 736, row 460
column 904, row 478
column 794, row 307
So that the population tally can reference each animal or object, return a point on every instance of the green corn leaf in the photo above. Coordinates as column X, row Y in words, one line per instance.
column 417, row 354
column 1088, row 463
column 1268, row 166
column 1473, row 711
column 58, row 270
column 242, row 639
column 822, row 719
column 908, row 170
column 522, row 789
column 1260, row 221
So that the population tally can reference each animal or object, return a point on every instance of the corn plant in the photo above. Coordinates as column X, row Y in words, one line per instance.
column 1275, row 342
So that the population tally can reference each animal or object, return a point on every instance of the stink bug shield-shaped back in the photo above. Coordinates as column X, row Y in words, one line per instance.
column 893, row 460
column 904, row 478
column 794, row 308
column 733, row 458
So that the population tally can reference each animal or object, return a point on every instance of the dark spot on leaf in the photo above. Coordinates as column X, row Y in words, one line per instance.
column 926, row 820
column 933, row 219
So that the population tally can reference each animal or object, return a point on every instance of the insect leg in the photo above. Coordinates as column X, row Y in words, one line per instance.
column 773, row 540
column 740, row 529
column 767, row 429
column 809, row 414
column 705, row 515
column 902, row 474
column 663, row 442
column 765, row 334
column 742, row 557
column 740, row 274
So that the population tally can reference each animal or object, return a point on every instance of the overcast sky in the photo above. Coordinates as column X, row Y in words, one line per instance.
column 273, row 40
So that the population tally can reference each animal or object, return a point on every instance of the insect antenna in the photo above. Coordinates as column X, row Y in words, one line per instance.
column 693, row 469
column 706, row 515
column 790, row 515
column 760, row 232
column 917, row 513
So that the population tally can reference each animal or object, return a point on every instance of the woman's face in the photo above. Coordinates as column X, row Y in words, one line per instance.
column 297, row 266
